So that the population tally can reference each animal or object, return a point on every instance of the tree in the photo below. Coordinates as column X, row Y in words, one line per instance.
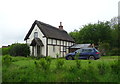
column 94, row 33
column 75, row 35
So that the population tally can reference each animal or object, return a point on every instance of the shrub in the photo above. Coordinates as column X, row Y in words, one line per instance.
column 72, row 69
column 114, row 52
column 42, row 64
column 59, row 63
column 57, row 55
column 102, row 68
column 76, row 56
column 48, row 59
column 115, row 67
column 19, row 50
column 104, row 48
column 7, row 60
column 5, row 51
column 78, row 64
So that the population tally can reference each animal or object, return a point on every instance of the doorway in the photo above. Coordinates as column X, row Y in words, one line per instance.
column 38, row 50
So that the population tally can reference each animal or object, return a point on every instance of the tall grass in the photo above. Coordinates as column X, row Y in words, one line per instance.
column 23, row 69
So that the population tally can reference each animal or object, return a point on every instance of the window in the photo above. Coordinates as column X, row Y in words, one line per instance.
column 35, row 34
column 53, row 48
column 54, row 41
column 64, row 49
column 79, row 51
column 87, row 50
column 51, row 41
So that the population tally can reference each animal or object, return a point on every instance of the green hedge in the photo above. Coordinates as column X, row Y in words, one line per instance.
column 17, row 49
column 5, row 51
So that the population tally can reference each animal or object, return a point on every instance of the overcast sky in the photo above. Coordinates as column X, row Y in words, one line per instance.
column 17, row 16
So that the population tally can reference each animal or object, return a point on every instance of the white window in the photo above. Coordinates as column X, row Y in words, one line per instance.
column 35, row 34
column 54, row 41
column 64, row 43
column 64, row 48
column 53, row 48
column 58, row 42
column 61, row 48
column 67, row 43
column 51, row 41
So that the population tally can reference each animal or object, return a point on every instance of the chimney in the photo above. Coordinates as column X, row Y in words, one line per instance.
column 61, row 27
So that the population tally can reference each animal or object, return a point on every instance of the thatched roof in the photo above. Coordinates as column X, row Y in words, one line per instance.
column 50, row 32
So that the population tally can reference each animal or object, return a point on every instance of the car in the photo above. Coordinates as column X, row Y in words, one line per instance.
column 84, row 53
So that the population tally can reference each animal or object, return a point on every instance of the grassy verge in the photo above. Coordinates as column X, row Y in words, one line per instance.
column 21, row 69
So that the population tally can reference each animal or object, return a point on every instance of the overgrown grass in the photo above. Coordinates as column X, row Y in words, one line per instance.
column 23, row 69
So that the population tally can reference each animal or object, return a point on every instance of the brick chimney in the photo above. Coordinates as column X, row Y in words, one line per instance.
column 61, row 27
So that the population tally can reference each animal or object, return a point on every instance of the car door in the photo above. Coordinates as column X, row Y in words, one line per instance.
column 85, row 53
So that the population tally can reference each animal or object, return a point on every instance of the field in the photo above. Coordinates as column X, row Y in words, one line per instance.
column 27, row 69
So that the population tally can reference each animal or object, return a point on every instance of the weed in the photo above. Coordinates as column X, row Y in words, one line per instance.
column 102, row 68
column 42, row 64
column 78, row 64
column 59, row 63
column 115, row 67
column 72, row 69
column 77, row 56
column 48, row 59
column 7, row 60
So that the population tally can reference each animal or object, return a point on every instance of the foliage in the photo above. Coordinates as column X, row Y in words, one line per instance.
column 114, row 52
column 7, row 60
column 75, row 35
column 19, row 50
column 24, row 70
column 5, row 51
column 115, row 67
column 77, row 55
column 102, row 68
column 48, row 59
column 78, row 64
column 43, row 64
column 57, row 55
column 94, row 33
column 104, row 48
column 101, row 32
column 59, row 63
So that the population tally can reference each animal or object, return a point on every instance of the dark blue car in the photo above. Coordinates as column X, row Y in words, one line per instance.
column 84, row 53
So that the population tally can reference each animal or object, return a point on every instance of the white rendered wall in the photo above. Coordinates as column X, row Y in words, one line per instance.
column 42, row 38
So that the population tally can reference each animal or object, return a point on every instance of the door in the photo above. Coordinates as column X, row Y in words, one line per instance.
column 32, row 50
column 38, row 50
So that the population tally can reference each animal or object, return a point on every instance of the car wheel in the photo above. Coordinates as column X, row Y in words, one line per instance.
column 91, row 58
column 70, row 58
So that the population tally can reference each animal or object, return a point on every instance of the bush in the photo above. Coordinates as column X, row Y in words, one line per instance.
column 72, row 69
column 19, row 50
column 5, row 51
column 48, row 59
column 42, row 64
column 78, row 64
column 7, row 60
column 102, row 68
column 115, row 67
column 76, row 56
column 59, row 63
column 114, row 52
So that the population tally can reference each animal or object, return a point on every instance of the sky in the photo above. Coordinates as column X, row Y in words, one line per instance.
column 17, row 16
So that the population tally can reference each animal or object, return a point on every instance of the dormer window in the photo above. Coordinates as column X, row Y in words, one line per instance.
column 35, row 34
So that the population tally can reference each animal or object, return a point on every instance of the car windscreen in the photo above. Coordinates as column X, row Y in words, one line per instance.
column 87, row 50
column 79, row 51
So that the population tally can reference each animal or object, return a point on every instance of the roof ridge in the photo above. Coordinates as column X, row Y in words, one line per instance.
column 49, row 25
column 50, row 31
